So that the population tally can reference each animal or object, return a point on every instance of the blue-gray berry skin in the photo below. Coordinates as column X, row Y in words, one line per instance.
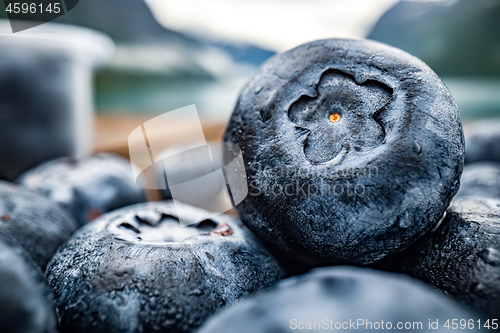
column 87, row 187
column 480, row 179
column 482, row 142
column 353, row 150
column 138, row 270
column 35, row 222
column 337, row 295
column 26, row 303
column 462, row 256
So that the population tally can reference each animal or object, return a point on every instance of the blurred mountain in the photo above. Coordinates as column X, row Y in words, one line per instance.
column 122, row 20
column 131, row 21
column 126, row 21
column 454, row 37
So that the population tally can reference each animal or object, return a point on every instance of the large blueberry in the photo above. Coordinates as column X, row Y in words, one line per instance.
column 341, row 299
column 37, row 223
column 482, row 142
column 462, row 256
column 353, row 150
column 480, row 179
column 138, row 270
column 87, row 187
column 26, row 303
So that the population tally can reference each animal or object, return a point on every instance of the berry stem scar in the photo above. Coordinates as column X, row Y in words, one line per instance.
column 335, row 117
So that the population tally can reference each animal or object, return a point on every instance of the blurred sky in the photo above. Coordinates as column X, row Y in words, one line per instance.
column 271, row 24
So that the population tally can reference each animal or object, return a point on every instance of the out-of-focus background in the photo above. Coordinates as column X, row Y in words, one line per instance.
column 170, row 53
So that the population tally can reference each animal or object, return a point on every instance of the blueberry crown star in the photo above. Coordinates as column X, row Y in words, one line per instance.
column 342, row 116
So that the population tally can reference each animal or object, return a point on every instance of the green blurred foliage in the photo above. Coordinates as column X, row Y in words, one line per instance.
column 455, row 38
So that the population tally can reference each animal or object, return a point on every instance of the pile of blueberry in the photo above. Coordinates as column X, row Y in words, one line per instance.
column 354, row 152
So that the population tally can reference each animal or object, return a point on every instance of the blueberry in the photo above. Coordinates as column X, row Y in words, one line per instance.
column 327, row 298
column 38, row 224
column 353, row 150
column 482, row 142
column 138, row 270
column 480, row 179
column 462, row 256
column 87, row 187
column 26, row 303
